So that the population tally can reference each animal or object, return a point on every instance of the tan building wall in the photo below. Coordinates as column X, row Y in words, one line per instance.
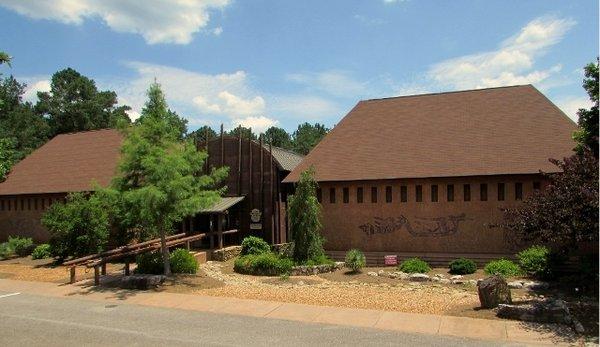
column 444, row 226
column 21, row 216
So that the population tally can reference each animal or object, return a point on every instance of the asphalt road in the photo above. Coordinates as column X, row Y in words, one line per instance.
column 30, row 320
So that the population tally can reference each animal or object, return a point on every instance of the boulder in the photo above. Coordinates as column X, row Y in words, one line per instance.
column 226, row 253
column 445, row 281
column 419, row 278
column 534, row 285
column 515, row 285
column 381, row 272
column 372, row 273
column 551, row 311
column 493, row 291
column 456, row 277
column 141, row 281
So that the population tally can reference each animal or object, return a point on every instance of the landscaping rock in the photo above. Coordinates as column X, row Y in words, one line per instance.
column 493, row 291
column 339, row 265
column 458, row 281
column 419, row 278
column 439, row 276
column 551, row 311
column 380, row 272
column 473, row 282
column 226, row 253
column 534, row 285
column 311, row 270
column 515, row 285
column 456, row 277
column 445, row 281
column 142, row 282
column 372, row 273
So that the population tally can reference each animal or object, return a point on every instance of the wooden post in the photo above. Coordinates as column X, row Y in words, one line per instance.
column 251, row 193
column 96, row 275
column 210, row 234
column 273, row 234
column 103, row 267
column 73, row 278
column 206, row 134
column 239, row 168
column 262, row 179
column 220, row 230
column 127, row 269
column 222, row 149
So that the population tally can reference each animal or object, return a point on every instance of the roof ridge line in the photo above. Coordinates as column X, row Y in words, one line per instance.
column 448, row 92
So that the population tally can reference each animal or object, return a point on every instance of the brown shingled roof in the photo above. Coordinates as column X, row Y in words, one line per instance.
column 507, row 130
column 67, row 163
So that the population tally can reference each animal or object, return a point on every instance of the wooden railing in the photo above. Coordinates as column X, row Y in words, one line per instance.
column 98, row 261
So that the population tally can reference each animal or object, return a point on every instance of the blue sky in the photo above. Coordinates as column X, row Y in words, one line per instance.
column 262, row 63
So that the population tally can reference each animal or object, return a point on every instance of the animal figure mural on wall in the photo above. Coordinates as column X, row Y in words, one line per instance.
column 421, row 227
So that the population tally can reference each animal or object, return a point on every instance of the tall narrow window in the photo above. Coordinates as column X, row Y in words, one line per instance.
column 319, row 195
column 1, row 205
column 8, row 204
column 22, row 204
column 434, row 193
column 35, row 203
column 403, row 194
column 419, row 193
column 518, row 191
column 450, row 192
column 537, row 186
column 359, row 195
column 29, row 204
column 483, row 192
column 332, row 195
column 500, row 191
column 346, row 195
column 43, row 203
column 467, row 192
column 374, row 194
column 388, row 194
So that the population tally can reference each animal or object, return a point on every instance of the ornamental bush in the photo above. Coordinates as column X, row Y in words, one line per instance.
column 536, row 261
column 267, row 264
column 318, row 260
column 41, row 252
column 149, row 263
column 254, row 245
column 414, row 265
column 183, row 262
column 462, row 266
column 355, row 260
column 502, row 267
column 5, row 250
column 21, row 246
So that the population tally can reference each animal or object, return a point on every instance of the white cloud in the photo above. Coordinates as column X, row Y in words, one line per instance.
column 35, row 85
column 258, row 124
column 217, row 31
column 571, row 104
column 158, row 21
column 334, row 82
column 512, row 63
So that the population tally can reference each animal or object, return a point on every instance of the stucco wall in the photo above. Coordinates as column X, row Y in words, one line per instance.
column 444, row 226
column 21, row 216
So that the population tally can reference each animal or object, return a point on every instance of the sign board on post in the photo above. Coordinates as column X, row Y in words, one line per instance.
column 390, row 259
column 255, row 216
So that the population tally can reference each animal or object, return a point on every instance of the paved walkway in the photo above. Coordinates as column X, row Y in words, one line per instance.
column 484, row 329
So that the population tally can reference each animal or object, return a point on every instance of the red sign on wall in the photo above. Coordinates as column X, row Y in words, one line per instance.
column 390, row 259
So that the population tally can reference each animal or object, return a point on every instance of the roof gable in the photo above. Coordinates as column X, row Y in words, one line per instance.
column 67, row 163
column 507, row 130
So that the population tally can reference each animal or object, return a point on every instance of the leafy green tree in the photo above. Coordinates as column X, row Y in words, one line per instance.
column 587, row 135
column 199, row 135
column 305, row 219
column 79, row 227
column 246, row 132
column 307, row 136
column 7, row 156
column 159, row 181
column 5, row 58
column 156, row 103
column 75, row 104
column 279, row 137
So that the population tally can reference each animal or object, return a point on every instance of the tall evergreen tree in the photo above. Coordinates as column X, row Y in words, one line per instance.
column 307, row 136
column 246, row 132
column 199, row 135
column 587, row 135
column 279, row 137
column 159, row 181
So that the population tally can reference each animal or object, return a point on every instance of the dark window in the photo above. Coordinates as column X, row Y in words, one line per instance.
column 1, row 205
column 500, row 191
column 22, row 204
column 434, row 193
column 518, row 191
column 419, row 193
column 483, row 192
column 346, row 195
column 467, row 192
column 403, row 194
column 388, row 194
column 332, row 195
column 450, row 192
column 319, row 195
column 35, row 203
column 359, row 195
column 29, row 204
column 43, row 203
column 537, row 186
column 373, row 194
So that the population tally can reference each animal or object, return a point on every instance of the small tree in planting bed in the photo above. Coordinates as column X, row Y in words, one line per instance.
column 160, row 181
column 305, row 219
column 355, row 260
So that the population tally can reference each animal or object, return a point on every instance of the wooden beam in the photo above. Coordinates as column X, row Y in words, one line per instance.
column 206, row 135
column 222, row 149
column 250, row 187
column 262, row 179
column 96, row 275
column 239, row 166
column 272, row 190
column 73, row 271
column 220, row 230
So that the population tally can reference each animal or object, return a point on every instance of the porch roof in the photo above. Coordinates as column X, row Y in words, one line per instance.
column 223, row 204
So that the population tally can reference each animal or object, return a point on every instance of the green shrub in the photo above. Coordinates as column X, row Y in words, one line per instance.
column 41, row 252
column 462, row 266
column 535, row 261
column 149, row 263
column 319, row 260
column 262, row 264
column 502, row 267
column 254, row 245
column 414, row 265
column 183, row 262
column 6, row 251
column 21, row 246
column 355, row 260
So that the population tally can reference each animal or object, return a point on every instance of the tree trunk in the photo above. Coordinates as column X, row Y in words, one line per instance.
column 165, row 253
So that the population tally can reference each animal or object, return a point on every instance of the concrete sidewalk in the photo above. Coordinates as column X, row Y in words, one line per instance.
column 497, row 330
